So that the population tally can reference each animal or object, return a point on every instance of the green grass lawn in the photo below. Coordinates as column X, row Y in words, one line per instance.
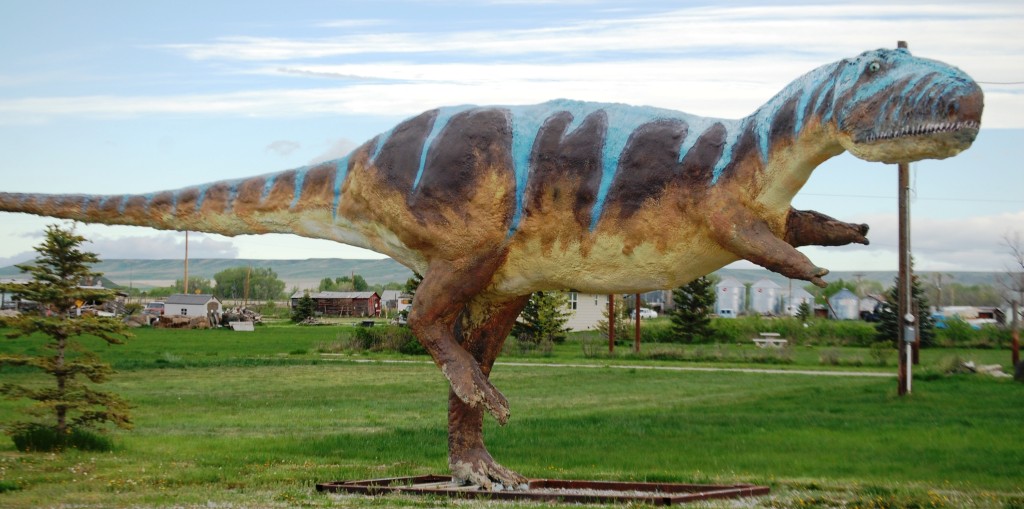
column 255, row 420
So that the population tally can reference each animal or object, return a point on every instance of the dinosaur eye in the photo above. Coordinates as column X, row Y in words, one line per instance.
column 874, row 67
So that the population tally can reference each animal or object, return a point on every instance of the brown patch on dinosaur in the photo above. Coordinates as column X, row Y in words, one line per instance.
column 399, row 158
column 318, row 187
column 216, row 200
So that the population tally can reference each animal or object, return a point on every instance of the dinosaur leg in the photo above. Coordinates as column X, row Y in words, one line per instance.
column 440, row 300
column 749, row 237
column 467, row 456
column 809, row 227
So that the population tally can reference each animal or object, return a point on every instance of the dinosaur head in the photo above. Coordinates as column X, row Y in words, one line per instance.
column 893, row 107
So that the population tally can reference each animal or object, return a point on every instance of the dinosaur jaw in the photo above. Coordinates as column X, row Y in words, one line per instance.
column 930, row 140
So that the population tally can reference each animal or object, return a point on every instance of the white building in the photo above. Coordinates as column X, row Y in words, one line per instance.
column 730, row 297
column 191, row 305
column 766, row 297
column 586, row 309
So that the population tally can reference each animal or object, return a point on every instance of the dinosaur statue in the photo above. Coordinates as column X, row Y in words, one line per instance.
column 490, row 204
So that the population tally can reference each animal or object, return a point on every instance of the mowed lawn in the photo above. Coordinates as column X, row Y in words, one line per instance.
column 256, row 420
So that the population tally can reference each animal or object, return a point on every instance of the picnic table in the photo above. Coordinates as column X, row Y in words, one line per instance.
column 770, row 339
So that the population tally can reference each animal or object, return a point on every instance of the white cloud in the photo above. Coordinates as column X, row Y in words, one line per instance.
column 967, row 243
column 820, row 29
column 162, row 245
column 283, row 147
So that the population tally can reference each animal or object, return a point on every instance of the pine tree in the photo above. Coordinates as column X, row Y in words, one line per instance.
column 543, row 319
column 803, row 311
column 885, row 329
column 304, row 309
column 56, row 275
column 695, row 301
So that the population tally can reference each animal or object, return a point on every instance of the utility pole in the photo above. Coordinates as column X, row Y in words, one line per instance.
column 636, row 310
column 186, row 262
column 905, row 330
column 611, row 323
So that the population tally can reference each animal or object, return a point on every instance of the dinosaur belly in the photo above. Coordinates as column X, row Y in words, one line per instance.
column 604, row 266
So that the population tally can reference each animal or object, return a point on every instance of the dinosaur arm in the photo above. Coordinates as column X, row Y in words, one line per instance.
column 748, row 236
column 808, row 227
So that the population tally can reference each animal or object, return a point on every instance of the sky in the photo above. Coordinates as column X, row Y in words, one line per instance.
column 112, row 97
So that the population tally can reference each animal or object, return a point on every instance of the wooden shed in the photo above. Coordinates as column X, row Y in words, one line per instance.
column 343, row 303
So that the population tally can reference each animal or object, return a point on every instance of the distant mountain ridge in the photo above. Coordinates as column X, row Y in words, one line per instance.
column 302, row 273
column 308, row 273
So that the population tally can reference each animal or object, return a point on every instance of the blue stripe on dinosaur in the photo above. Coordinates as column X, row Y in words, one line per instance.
column 202, row 196
column 340, row 174
column 443, row 116
column 300, row 177
column 268, row 184
column 381, row 140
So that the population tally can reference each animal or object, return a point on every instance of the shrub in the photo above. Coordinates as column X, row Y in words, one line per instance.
column 829, row 356
column 391, row 338
column 526, row 347
column 40, row 438
column 957, row 332
column 881, row 352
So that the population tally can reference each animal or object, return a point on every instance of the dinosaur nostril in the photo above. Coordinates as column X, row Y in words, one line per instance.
column 952, row 109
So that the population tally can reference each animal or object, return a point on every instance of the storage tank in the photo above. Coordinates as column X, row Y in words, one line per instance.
column 730, row 297
column 845, row 305
column 765, row 297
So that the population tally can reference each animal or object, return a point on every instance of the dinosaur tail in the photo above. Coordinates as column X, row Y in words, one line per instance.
column 279, row 202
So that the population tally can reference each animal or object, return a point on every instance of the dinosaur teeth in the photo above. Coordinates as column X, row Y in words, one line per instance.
column 915, row 130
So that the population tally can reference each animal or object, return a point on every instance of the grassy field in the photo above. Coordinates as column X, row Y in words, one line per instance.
column 255, row 420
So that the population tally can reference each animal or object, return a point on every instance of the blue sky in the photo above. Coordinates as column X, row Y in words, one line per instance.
column 130, row 97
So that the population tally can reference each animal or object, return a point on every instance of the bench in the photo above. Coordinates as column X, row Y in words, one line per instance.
column 770, row 339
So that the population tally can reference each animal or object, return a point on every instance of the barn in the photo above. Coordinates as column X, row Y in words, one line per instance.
column 343, row 303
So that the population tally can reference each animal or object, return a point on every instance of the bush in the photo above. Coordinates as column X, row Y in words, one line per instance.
column 527, row 347
column 957, row 332
column 813, row 333
column 881, row 352
column 39, row 438
column 391, row 338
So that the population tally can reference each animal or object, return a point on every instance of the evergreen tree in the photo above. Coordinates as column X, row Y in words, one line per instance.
column 57, row 273
column 885, row 329
column 695, row 301
column 304, row 309
column 543, row 319
column 803, row 311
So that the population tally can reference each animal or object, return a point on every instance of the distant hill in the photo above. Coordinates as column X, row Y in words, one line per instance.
column 885, row 277
column 308, row 273
column 301, row 273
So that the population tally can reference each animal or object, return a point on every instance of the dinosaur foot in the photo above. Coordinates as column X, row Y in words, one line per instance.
column 476, row 466
column 816, row 277
column 473, row 387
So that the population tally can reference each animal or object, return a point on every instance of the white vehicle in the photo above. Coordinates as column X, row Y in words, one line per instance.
column 646, row 313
